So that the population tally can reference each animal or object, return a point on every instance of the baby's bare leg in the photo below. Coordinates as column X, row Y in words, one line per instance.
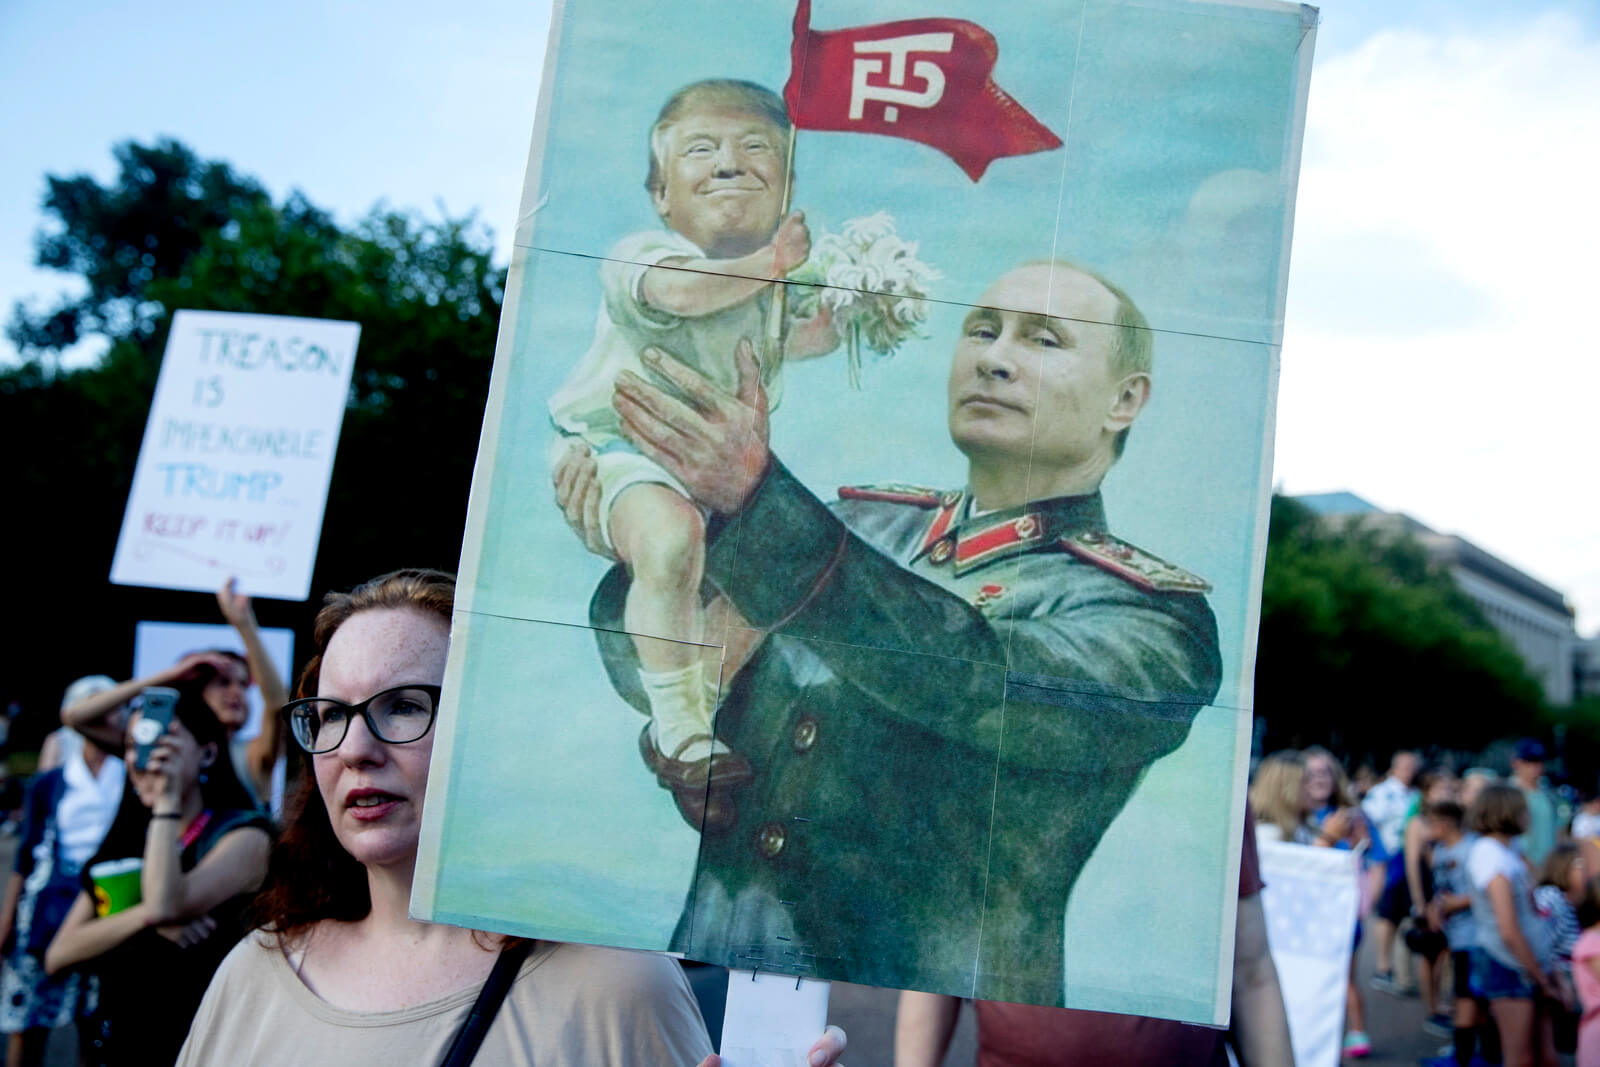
column 661, row 537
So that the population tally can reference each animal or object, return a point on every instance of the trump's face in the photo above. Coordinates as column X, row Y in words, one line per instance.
column 722, row 173
column 1039, row 386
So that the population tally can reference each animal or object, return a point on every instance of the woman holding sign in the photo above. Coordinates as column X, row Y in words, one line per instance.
column 224, row 678
column 340, row 972
column 161, row 900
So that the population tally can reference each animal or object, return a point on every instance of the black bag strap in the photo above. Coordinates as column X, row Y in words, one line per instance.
column 495, row 987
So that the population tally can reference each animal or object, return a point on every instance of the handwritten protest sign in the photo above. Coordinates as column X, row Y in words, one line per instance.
column 233, row 473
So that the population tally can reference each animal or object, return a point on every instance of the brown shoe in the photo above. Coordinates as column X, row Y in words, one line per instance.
column 702, row 788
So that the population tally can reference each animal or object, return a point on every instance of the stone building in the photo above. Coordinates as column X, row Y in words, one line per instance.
column 1533, row 617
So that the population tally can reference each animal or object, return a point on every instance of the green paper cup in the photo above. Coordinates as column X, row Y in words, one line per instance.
column 116, row 885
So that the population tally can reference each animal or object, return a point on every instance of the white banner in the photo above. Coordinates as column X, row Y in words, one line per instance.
column 233, row 473
column 1310, row 902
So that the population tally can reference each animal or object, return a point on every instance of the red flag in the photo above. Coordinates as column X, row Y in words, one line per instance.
column 925, row 80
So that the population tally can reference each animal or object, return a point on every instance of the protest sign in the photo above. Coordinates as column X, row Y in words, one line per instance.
column 157, row 645
column 1310, row 901
column 160, row 644
column 937, row 674
column 233, row 473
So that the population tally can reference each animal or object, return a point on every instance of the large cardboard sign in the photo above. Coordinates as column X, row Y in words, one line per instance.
column 935, row 674
column 233, row 473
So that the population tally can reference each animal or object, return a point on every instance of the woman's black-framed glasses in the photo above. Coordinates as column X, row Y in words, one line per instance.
column 395, row 716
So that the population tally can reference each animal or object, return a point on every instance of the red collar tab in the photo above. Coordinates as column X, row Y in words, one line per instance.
column 998, row 540
column 950, row 505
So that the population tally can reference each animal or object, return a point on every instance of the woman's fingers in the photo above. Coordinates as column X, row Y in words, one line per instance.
column 828, row 1049
column 825, row 1053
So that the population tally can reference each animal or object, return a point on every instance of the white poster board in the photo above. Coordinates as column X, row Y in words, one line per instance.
column 233, row 473
column 1310, row 900
column 160, row 644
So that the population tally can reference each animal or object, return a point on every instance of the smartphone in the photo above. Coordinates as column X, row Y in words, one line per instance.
column 155, row 715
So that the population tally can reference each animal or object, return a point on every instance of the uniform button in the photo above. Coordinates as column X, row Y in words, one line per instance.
column 770, row 840
column 805, row 735
column 941, row 552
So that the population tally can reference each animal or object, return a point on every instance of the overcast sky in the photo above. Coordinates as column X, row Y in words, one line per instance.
column 1444, row 245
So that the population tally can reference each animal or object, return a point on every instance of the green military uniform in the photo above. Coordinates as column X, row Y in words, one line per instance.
column 947, row 715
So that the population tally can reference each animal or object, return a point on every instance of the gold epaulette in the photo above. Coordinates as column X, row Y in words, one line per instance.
column 1132, row 564
column 894, row 493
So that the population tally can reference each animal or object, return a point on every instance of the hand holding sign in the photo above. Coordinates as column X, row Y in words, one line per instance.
column 236, row 607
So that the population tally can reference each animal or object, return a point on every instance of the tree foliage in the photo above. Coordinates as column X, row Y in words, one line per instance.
column 1363, row 643
column 1367, row 646
column 174, row 232
column 122, row 238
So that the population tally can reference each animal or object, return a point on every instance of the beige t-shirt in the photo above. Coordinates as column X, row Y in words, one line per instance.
column 571, row 1006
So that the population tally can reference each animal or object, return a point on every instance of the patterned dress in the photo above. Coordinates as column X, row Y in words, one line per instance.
column 29, row 998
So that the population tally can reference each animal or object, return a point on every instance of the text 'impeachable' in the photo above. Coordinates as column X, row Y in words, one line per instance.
column 209, row 437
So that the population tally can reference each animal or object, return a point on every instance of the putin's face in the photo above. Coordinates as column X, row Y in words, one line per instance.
column 1034, row 379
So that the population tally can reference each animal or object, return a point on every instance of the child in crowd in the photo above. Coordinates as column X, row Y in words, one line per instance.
column 1586, row 975
column 1450, row 911
column 1426, row 943
column 689, row 293
column 1513, row 960
column 1560, row 889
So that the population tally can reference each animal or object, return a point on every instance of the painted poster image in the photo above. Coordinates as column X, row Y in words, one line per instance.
column 863, row 562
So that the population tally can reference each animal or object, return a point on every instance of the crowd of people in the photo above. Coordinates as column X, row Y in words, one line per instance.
column 1481, row 894
column 160, row 908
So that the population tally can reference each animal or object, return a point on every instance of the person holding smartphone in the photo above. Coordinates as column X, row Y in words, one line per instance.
column 188, row 846
column 224, row 678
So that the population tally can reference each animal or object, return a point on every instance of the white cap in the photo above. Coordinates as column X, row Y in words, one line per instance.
column 84, row 688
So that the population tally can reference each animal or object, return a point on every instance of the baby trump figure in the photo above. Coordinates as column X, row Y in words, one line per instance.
column 718, row 171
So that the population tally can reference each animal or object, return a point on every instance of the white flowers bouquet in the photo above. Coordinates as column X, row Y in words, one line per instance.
column 873, row 283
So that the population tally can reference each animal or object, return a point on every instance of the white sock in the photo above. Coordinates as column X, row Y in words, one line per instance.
column 679, row 710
